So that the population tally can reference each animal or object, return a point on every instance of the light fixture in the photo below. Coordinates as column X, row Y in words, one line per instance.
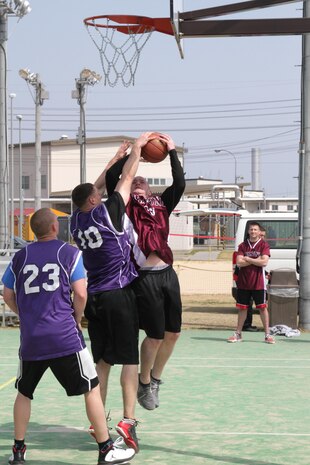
column 28, row 76
column 22, row 7
column 89, row 77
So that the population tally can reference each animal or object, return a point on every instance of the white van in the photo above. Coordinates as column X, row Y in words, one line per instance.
column 281, row 235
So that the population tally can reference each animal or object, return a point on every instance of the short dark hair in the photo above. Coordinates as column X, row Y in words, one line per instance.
column 41, row 221
column 254, row 223
column 80, row 193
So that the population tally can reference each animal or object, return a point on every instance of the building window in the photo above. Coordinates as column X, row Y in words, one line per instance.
column 290, row 207
column 25, row 182
column 43, row 181
column 274, row 207
column 156, row 181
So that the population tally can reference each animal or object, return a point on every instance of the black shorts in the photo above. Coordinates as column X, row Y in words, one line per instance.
column 113, row 326
column 245, row 296
column 76, row 373
column 159, row 302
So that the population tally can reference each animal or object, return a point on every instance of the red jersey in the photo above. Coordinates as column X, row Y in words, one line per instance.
column 252, row 277
column 150, row 220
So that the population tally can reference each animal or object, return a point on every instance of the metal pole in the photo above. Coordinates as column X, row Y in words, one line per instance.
column 235, row 160
column 21, row 203
column 304, row 179
column 81, row 135
column 37, row 194
column 12, row 96
column 3, row 133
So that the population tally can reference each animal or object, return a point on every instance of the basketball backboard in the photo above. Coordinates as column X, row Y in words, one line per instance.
column 176, row 7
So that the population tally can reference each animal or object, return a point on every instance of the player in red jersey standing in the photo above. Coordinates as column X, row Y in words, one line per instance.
column 252, row 257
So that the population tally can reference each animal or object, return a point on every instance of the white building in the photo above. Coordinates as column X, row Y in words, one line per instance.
column 60, row 173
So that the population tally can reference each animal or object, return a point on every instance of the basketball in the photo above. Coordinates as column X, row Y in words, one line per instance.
column 155, row 150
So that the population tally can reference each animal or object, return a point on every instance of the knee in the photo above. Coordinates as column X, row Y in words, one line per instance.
column 171, row 338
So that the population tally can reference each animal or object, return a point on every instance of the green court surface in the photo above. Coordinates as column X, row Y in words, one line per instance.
column 221, row 404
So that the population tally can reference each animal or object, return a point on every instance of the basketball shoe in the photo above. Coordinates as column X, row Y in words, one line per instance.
column 155, row 383
column 113, row 454
column 269, row 339
column 18, row 456
column 236, row 337
column 145, row 396
column 127, row 429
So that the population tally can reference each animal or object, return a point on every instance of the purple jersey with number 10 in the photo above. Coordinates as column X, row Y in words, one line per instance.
column 106, row 251
column 42, row 273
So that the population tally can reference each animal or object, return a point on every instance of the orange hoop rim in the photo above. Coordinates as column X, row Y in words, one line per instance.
column 132, row 24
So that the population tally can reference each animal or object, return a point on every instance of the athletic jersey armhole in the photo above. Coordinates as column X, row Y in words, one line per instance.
column 116, row 209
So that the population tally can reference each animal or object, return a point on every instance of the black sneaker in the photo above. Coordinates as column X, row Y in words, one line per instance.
column 18, row 456
column 115, row 455
column 252, row 329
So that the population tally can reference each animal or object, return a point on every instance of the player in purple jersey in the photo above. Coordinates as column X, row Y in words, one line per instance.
column 38, row 285
column 252, row 257
column 111, row 310
column 157, row 287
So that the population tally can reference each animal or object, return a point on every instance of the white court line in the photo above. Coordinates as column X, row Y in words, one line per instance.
column 70, row 429
column 270, row 359
column 293, row 367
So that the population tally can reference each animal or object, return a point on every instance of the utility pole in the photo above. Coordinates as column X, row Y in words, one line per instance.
column 304, row 184
column 3, row 133
column 21, row 201
column 20, row 9
column 12, row 96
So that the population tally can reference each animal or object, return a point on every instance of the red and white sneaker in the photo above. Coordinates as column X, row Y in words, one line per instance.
column 92, row 431
column 127, row 429
column 269, row 339
column 236, row 337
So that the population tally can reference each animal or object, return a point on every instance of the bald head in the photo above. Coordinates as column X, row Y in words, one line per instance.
column 44, row 224
column 140, row 186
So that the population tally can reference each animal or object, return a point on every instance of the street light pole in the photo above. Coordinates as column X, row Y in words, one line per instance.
column 40, row 95
column 87, row 78
column 12, row 96
column 235, row 159
column 21, row 202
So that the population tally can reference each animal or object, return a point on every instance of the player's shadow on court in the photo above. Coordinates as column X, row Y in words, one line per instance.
column 218, row 458
column 46, row 438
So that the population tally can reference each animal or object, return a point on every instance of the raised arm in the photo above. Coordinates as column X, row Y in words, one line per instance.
column 130, row 167
column 100, row 183
column 172, row 195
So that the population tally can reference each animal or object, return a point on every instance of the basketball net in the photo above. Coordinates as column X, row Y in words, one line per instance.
column 119, row 48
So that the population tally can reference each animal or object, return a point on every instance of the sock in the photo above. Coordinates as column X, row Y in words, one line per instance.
column 144, row 385
column 155, row 379
column 106, row 445
column 19, row 444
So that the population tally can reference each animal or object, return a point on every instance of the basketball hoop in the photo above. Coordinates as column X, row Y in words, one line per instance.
column 120, row 55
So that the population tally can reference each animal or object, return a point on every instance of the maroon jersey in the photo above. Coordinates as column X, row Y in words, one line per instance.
column 252, row 277
column 150, row 220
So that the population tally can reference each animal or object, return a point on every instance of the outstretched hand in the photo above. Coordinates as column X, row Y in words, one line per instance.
column 143, row 139
column 122, row 151
column 168, row 140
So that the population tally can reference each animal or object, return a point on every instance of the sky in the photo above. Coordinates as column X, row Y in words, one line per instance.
column 234, row 94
